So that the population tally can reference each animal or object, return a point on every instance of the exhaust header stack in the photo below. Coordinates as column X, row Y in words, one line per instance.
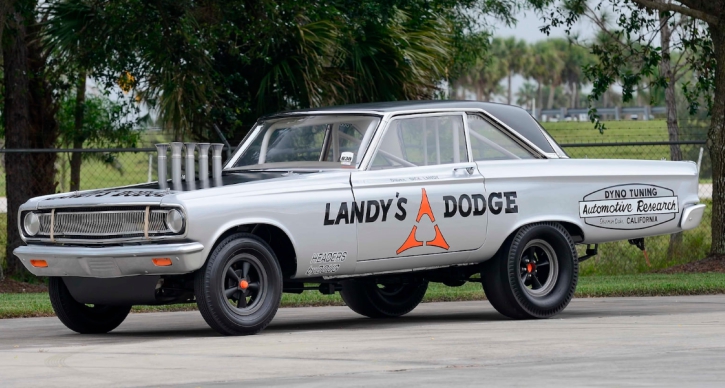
column 161, row 149
column 204, row 164
column 188, row 149
column 216, row 163
column 176, row 165
column 190, row 168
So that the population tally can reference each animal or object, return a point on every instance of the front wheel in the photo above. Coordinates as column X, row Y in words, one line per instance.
column 534, row 274
column 82, row 318
column 239, row 289
column 382, row 300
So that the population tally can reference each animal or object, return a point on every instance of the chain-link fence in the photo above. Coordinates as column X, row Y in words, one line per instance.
column 119, row 167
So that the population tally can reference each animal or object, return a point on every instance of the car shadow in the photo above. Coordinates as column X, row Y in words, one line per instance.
column 301, row 320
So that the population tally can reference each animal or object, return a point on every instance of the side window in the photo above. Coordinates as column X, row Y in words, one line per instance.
column 489, row 143
column 422, row 141
column 346, row 137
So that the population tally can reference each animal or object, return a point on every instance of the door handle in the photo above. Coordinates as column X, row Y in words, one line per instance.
column 468, row 170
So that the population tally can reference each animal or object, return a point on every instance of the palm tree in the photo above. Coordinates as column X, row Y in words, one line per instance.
column 483, row 79
column 545, row 68
column 526, row 95
column 516, row 56
column 575, row 58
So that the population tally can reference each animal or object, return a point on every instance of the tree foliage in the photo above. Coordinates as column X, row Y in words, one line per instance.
column 629, row 52
column 226, row 63
column 632, row 55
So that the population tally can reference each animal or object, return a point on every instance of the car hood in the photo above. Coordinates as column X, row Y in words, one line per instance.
column 110, row 197
column 150, row 194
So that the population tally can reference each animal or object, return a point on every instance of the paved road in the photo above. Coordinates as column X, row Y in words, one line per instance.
column 672, row 341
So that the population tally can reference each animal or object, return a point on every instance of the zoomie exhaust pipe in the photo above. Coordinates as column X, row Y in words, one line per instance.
column 161, row 150
column 176, row 165
column 190, row 167
column 216, row 163
column 204, row 164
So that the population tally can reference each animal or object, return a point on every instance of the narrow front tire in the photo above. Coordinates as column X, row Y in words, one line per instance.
column 82, row 318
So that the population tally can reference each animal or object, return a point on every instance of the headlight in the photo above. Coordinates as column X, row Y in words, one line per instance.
column 31, row 223
column 174, row 220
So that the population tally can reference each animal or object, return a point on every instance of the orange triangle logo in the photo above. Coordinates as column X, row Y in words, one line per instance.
column 438, row 241
column 425, row 209
column 412, row 242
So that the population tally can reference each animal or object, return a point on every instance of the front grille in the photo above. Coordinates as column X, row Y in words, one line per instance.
column 102, row 224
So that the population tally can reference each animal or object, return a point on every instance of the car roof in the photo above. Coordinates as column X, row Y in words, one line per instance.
column 396, row 106
column 513, row 116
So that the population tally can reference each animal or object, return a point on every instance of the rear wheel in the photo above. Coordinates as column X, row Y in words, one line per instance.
column 239, row 289
column 382, row 300
column 534, row 275
column 82, row 318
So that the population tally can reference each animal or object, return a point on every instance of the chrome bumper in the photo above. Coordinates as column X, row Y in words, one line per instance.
column 692, row 216
column 111, row 262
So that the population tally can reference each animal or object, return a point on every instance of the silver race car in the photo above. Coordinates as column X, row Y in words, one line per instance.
column 374, row 201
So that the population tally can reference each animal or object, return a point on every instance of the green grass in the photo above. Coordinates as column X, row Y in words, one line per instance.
column 617, row 131
column 621, row 258
column 38, row 304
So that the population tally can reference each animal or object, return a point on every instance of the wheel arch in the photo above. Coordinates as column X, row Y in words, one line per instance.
column 572, row 227
column 274, row 234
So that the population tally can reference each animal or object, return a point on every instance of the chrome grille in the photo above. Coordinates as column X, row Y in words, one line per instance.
column 120, row 223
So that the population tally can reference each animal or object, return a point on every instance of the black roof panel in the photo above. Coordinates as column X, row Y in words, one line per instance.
column 513, row 116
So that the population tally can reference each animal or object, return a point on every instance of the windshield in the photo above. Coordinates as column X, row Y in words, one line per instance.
column 323, row 141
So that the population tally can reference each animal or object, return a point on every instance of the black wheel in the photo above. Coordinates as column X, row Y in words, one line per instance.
column 239, row 289
column 382, row 300
column 82, row 318
column 534, row 274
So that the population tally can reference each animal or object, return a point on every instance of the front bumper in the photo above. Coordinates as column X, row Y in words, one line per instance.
column 111, row 262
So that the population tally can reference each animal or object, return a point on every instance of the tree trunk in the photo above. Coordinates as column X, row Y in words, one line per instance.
column 716, row 141
column 509, row 95
column 30, row 121
column 572, row 96
column 17, row 128
column 43, row 110
column 76, row 158
column 671, row 104
column 550, row 103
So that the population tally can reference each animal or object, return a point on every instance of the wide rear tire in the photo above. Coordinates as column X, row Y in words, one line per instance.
column 239, row 289
column 82, row 318
column 534, row 274
column 382, row 301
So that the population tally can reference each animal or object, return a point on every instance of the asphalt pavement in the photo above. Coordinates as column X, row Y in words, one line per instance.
column 661, row 341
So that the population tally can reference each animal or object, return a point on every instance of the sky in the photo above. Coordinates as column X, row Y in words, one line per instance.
column 528, row 25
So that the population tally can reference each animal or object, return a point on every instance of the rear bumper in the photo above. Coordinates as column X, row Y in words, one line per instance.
column 111, row 262
column 692, row 216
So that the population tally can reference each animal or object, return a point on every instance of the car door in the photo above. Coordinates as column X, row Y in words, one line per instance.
column 421, row 201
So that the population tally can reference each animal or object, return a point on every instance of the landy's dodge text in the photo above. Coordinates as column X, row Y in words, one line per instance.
column 374, row 201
